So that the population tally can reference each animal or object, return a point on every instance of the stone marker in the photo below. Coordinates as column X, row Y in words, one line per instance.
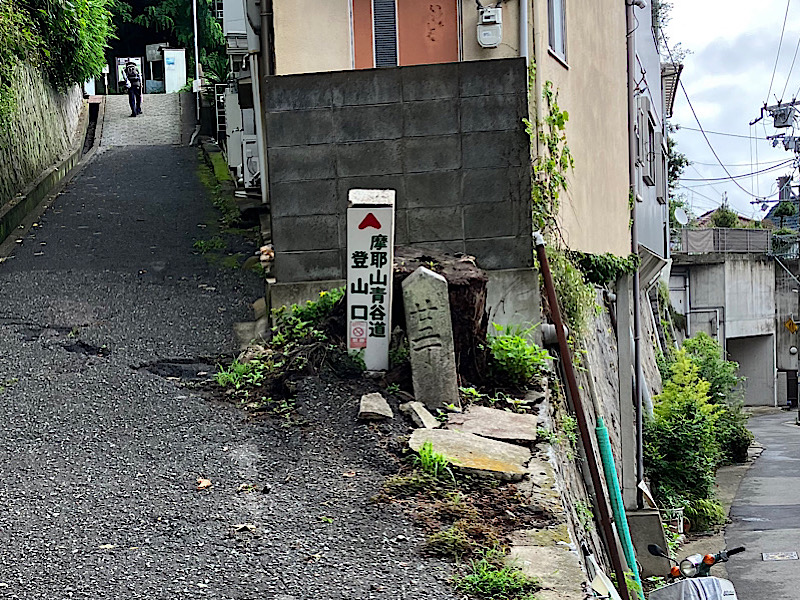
column 374, row 406
column 474, row 452
column 495, row 424
column 430, row 335
column 420, row 415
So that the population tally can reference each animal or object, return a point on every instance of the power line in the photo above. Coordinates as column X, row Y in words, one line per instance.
column 791, row 68
column 736, row 165
column 735, row 135
column 778, row 55
column 697, row 119
column 772, row 168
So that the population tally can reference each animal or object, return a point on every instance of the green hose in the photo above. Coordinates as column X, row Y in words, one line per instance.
column 616, row 501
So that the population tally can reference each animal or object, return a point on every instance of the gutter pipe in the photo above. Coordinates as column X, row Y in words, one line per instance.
column 523, row 30
column 637, row 309
column 586, row 440
column 617, row 506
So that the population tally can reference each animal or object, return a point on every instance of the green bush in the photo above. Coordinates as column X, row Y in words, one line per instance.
column 733, row 437
column 680, row 443
column 490, row 578
column 721, row 374
column 513, row 359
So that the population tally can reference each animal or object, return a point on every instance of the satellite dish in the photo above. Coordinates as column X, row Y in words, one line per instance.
column 681, row 216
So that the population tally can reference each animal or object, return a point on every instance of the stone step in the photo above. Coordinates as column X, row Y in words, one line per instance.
column 495, row 424
column 475, row 453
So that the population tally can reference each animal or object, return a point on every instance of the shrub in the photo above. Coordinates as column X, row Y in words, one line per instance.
column 733, row 437
column 513, row 358
column 721, row 374
column 680, row 443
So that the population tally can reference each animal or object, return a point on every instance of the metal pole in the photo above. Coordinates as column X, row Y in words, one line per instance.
column 196, row 58
column 580, row 416
column 637, row 309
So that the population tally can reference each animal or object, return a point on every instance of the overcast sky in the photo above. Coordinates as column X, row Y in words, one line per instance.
column 733, row 46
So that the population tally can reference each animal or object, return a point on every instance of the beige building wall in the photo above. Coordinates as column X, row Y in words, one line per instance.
column 592, row 88
column 509, row 48
column 312, row 36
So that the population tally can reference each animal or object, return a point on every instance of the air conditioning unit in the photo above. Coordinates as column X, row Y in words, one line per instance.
column 250, row 169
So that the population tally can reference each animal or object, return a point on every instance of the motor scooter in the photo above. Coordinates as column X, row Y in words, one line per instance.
column 690, row 579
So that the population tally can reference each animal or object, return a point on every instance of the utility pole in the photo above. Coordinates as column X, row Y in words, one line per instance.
column 196, row 59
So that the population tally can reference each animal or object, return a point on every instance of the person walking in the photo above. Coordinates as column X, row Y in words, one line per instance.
column 133, row 81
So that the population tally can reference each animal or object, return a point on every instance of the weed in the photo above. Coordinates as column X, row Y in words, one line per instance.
column 452, row 542
column 404, row 486
column 569, row 427
column 585, row 515
column 399, row 356
column 7, row 383
column 513, row 358
column 239, row 374
column 392, row 388
column 470, row 394
column 548, row 436
column 204, row 246
column 490, row 578
column 433, row 463
column 328, row 520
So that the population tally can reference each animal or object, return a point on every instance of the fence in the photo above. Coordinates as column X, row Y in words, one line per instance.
column 699, row 241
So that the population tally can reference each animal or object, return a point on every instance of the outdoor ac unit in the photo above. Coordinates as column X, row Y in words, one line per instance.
column 250, row 170
column 490, row 27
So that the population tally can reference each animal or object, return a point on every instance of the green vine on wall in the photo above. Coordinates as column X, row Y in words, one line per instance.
column 604, row 269
column 67, row 40
column 552, row 162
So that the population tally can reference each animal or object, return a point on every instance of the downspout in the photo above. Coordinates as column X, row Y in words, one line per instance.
column 637, row 309
column 523, row 30
column 580, row 416
column 261, row 69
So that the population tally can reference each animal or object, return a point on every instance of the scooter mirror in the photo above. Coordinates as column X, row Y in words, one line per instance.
column 657, row 550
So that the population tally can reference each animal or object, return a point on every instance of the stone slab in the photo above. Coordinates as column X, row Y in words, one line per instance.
column 430, row 335
column 557, row 567
column 420, row 415
column 374, row 406
column 470, row 451
column 495, row 424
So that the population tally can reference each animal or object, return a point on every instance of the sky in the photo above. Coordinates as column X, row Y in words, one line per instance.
column 733, row 45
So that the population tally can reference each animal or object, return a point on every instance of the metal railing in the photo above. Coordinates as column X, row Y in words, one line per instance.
column 718, row 239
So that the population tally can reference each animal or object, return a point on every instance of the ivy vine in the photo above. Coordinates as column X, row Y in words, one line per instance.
column 604, row 269
column 552, row 163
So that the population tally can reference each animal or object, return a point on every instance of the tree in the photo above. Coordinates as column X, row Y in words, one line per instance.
column 725, row 217
column 176, row 17
column 785, row 209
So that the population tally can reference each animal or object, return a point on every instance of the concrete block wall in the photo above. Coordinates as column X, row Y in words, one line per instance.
column 449, row 138
column 39, row 133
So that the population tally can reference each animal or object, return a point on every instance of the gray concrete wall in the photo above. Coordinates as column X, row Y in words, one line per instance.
column 749, row 296
column 756, row 359
column 449, row 138
column 39, row 133
column 787, row 297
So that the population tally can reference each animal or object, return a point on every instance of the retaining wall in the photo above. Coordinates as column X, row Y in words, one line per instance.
column 41, row 131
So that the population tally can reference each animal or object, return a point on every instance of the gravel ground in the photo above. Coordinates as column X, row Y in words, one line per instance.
column 99, row 457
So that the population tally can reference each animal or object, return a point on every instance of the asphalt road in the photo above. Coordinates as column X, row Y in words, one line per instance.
column 766, row 514
column 99, row 456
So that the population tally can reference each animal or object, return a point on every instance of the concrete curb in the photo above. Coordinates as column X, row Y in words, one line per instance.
column 16, row 215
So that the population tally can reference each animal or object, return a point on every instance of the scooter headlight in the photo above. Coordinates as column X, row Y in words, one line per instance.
column 690, row 564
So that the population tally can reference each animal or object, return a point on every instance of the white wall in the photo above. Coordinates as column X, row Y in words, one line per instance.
column 756, row 359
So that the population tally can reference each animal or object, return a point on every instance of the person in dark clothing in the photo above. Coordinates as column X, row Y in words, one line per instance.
column 133, row 80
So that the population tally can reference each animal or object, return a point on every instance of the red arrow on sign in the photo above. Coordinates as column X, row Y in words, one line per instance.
column 370, row 221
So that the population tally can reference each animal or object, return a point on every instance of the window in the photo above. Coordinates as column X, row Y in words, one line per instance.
column 557, row 28
column 650, row 152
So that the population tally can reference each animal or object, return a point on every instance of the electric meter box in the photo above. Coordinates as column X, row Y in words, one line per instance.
column 490, row 27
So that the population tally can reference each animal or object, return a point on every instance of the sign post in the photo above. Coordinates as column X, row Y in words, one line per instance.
column 370, row 256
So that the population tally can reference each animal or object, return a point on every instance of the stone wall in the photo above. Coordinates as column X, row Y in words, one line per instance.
column 40, row 133
column 448, row 138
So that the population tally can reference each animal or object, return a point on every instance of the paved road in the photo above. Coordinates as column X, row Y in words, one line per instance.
column 159, row 123
column 766, row 514
column 99, row 458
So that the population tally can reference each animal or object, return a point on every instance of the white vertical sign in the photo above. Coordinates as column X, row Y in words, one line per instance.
column 370, row 255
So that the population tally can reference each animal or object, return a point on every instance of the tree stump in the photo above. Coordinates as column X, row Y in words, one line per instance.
column 466, row 286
